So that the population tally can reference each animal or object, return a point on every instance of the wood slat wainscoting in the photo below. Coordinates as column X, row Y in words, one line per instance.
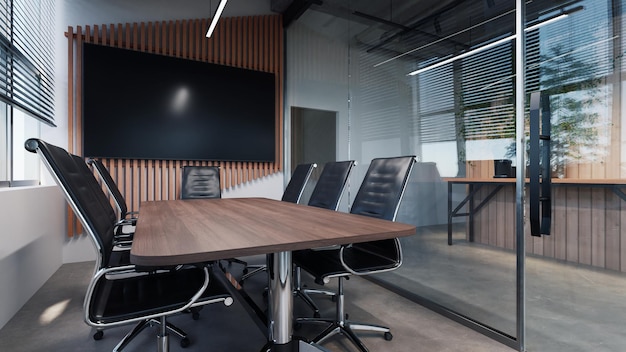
column 253, row 42
column 588, row 222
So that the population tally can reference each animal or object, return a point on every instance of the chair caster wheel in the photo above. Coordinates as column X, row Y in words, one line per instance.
column 316, row 315
column 185, row 342
column 388, row 336
column 98, row 335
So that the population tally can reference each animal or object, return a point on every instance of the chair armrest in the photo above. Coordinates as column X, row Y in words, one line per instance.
column 343, row 262
column 124, row 272
column 120, row 235
column 381, row 263
column 127, row 222
column 123, row 242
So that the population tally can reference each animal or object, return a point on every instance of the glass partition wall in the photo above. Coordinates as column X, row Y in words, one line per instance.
column 436, row 79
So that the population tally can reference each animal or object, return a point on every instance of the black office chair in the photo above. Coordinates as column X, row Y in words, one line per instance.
column 200, row 182
column 125, row 294
column 297, row 183
column 326, row 194
column 293, row 192
column 125, row 215
column 379, row 196
column 127, row 219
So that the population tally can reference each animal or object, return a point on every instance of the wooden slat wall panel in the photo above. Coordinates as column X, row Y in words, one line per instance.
column 254, row 42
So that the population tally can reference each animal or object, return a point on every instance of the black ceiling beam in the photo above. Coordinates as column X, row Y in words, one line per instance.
column 405, row 29
column 296, row 9
column 417, row 24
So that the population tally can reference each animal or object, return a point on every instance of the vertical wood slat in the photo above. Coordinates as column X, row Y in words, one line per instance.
column 598, row 241
column 246, row 42
column 587, row 225
column 70, row 109
column 571, row 229
column 612, row 231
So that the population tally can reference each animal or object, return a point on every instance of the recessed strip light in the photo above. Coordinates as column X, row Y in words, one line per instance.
column 541, row 24
column 216, row 18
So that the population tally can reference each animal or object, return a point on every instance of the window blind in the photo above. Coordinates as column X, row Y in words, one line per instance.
column 436, row 105
column 488, row 105
column 26, row 57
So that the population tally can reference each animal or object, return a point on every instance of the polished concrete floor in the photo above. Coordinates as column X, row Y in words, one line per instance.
column 573, row 308
column 52, row 320
column 569, row 307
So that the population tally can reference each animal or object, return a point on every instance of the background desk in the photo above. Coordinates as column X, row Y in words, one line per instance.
column 588, row 227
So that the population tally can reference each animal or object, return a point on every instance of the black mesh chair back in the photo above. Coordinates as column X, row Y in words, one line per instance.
column 200, row 182
column 382, row 188
column 78, row 189
column 330, row 185
column 95, row 187
column 299, row 178
column 379, row 196
column 111, row 186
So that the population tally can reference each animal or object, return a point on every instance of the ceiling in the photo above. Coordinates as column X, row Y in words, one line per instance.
column 394, row 27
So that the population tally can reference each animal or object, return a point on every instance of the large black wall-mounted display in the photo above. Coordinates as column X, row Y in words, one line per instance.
column 139, row 105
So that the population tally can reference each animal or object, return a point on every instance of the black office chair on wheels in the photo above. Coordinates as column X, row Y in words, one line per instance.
column 326, row 194
column 125, row 215
column 200, row 182
column 127, row 219
column 293, row 192
column 379, row 196
column 298, row 181
column 120, row 293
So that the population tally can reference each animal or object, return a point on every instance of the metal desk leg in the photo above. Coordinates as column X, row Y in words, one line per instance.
column 471, row 213
column 280, row 327
column 280, row 299
column 449, row 213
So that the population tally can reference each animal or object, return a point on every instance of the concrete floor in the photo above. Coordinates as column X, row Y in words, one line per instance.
column 52, row 320
column 570, row 308
column 574, row 308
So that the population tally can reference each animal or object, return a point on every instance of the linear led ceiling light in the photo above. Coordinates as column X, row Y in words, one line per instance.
column 465, row 54
column 216, row 18
column 558, row 17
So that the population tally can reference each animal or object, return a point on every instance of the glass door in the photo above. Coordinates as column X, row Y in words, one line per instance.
column 575, row 275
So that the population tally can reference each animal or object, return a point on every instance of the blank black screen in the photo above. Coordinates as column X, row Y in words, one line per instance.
column 147, row 106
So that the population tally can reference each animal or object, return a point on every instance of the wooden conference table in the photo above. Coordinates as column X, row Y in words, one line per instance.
column 190, row 231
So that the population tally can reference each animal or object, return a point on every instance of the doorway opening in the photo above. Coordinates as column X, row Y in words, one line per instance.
column 313, row 140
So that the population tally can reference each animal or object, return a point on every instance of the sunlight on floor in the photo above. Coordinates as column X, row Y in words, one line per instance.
column 53, row 312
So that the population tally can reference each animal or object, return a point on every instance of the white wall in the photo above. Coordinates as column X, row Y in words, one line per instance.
column 32, row 223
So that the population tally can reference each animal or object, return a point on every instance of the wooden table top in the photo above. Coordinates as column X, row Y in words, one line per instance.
column 189, row 231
